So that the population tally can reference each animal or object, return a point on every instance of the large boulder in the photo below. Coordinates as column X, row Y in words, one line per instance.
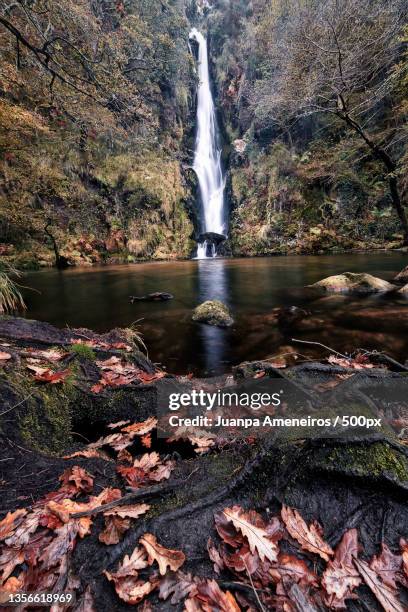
column 350, row 282
column 402, row 277
column 213, row 312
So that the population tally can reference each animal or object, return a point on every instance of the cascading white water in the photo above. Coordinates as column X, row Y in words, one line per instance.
column 207, row 159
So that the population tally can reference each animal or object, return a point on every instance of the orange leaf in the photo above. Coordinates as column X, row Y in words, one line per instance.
column 115, row 527
column 308, row 537
column 77, row 480
column 165, row 557
column 10, row 522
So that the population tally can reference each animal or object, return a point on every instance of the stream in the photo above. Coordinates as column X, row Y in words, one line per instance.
column 98, row 298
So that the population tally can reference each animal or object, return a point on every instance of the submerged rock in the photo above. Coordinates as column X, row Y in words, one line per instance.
column 213, row 313
column 350, row 282
column 290, row 316
column 402, row 277
column 152, row 297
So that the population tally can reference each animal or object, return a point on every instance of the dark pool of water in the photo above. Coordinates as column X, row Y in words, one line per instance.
column 98, row 298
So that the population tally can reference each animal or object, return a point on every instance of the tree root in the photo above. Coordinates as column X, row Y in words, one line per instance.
column 238, row 482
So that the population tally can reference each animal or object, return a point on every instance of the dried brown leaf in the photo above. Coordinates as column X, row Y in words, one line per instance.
column 165, row 557
column 386, row 595
column 308, row 537
column 341, row 577
column 257, row 537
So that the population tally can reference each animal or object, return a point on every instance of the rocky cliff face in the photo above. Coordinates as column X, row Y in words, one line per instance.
column 96, row 127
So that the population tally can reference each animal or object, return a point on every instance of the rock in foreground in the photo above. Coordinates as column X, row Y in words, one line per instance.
column 350, row 282
column 213, row 313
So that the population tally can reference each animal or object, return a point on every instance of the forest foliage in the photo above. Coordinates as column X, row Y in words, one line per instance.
column 315, row 101
column 97, row 105
column 94, row 100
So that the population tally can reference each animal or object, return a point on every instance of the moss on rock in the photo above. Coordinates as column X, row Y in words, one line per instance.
column 350, row 282
column 213, row 312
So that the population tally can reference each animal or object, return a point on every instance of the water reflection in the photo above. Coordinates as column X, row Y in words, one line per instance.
column 98, row 298
column 213, row 285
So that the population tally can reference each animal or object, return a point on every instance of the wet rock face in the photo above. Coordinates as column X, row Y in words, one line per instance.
column 402, row 277
column 213, row 313
column 349, row 282
column 212, row 237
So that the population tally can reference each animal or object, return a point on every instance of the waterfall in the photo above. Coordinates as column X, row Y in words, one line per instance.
column 207, row 158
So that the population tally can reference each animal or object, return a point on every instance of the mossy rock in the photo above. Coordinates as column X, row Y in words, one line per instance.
column 213, row 312
column 350, row 282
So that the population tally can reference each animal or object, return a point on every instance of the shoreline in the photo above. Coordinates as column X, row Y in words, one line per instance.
column 109, row 265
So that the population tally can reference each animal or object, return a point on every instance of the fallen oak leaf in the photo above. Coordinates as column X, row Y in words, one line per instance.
column 257, row 537
column 162, row 472
column 148, row 461
column 115, row 527
column 117, row 441
column 165, row 557
column 308, row 537
column 21, row 535
column 52, row 355
column 127, row 584
column 36, row 545
column 227, row 531
column 140, row 429
column 128, row 511
column 46, row 375
column 298, row 598
column 77, row 480
column 10, row 558
column 360, row 362
column 210, row 597
column 88, row 454
column 203, row 444
column 243, row 560
column 386, row 595
column 118, row 425
column 13, row 585
column 64, row 510
column 11, row 522
column 130, row 566
column 178, row 585
column 61, row 545
column 130, row 589
column 294, row 569
column 340, row 577
column 388, row 566
column 146, row 440
column 117, row 521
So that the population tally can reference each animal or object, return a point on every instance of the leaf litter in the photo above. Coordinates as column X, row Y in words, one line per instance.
column 251, row 563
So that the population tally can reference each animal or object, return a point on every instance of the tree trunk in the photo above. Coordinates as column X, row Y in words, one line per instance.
column 61, row 262
column 391, row 167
